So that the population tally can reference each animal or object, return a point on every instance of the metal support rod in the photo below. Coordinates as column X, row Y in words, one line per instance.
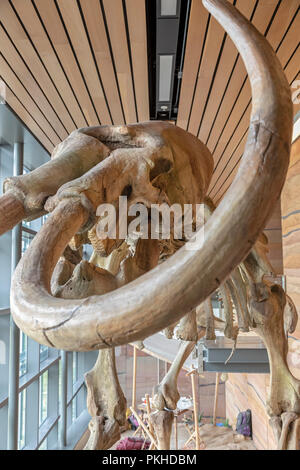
column 64, row 399
column 216, row 398
column 134, row 378
column 196, row 433
column 158, row 370
column 195, row 411
column 14, row 339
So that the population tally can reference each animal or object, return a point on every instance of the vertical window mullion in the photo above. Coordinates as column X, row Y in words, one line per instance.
column 81, row 397
column 32, row 396
column 53, row 399
column 32, row 415
column 70, row 387
column 3, row 427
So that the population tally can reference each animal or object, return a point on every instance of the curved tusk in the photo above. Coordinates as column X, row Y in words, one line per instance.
column 11, row 212
column 163, row 295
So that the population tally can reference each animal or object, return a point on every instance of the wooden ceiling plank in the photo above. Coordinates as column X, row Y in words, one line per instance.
column 18, row 89
column 231, row 162
column 34, row 27
column 227, row 176
column 26, row 118
column 293, row 64
column 23, row 74
column 75, row 27
column 284, row 16
column 96, row 28
column 217, row 142
column 59, row 38
column 235, row 117
column 230, row 149
column 117, row 33
column 294, row 91
column 226, row 139
column 228, row 168
column 26, row 50
column 220, row 196
column 139, row 52
column 291, row 39
column 234, row 87
column 291, row 70
column 260, row 20
column 195, row 38
column 211, row 52
column 226, row 65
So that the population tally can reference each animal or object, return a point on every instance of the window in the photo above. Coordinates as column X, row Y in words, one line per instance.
column 40, row 375
column 26, row 239
column 44, row 350
column 22, row 405
column 43, row 397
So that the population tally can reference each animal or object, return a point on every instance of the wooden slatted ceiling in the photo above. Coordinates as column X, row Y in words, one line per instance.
column 74, row 63
column 215, row 101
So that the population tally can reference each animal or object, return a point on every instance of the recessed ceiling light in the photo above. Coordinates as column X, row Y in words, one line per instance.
column 168, row 7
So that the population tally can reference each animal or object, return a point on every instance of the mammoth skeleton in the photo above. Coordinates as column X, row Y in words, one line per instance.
column 67, row 303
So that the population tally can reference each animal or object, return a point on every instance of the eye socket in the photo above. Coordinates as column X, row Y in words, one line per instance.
column 162, row 165
column 127, row 190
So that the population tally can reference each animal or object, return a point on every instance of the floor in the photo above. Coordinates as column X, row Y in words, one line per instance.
column 213, row 438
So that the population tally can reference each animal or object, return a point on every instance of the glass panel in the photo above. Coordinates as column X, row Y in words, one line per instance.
column 26, row 239
column 75, row 367
column 44, row 352
column 22, row 406
column 23, row 354
column 74, row 409
column 43, row 396
column 43, row 446
column 44, row 218
column 165, row 77
column 25, row 172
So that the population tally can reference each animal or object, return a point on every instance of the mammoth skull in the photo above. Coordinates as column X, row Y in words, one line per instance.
column 152, row 163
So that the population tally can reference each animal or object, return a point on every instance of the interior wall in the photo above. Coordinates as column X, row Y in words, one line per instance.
column 290, row 203
column 250, row 390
